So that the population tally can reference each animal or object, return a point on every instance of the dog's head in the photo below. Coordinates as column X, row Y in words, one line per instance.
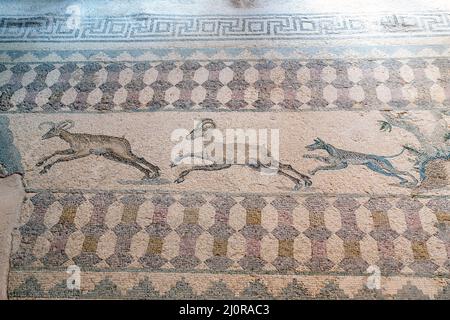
column 318, row 144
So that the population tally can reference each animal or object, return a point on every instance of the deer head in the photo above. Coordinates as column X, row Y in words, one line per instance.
column 200, row 129
column 56, row 128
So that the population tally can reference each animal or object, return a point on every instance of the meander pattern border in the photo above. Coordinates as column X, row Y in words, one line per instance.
column 156, row 27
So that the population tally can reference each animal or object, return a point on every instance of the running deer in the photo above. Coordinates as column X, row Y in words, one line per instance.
column 219, row 163
column 83, row 145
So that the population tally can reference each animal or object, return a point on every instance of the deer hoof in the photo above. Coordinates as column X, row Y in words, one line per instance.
column 179, row 180
column 152, row 177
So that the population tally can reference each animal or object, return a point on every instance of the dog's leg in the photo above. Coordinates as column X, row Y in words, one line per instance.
column 317, row 157
column 389, row 170
column 338, row 166
column 414, row 182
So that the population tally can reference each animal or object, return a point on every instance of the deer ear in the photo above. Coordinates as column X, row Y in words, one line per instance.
column 50, row 123
column 66, row 124
column 208, row 121
column 190, row 135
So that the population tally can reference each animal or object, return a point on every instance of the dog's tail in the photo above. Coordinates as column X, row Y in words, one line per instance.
column 396, row 155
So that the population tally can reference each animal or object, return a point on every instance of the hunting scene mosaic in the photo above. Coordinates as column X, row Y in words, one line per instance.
column 355, row 181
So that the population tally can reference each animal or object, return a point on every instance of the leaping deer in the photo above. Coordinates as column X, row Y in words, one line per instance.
column 218, row 163
column 83, row 145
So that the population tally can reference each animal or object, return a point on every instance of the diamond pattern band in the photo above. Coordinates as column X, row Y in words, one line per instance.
column 263, row 85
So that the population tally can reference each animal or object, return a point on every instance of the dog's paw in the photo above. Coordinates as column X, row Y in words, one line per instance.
column 410, row 185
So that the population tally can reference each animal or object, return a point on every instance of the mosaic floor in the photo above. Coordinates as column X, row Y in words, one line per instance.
column 362, row 196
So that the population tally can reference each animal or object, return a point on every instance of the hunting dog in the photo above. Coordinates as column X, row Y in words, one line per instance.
column 340, row 159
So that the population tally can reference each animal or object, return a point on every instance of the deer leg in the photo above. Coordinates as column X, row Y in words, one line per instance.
column 184, row 156
column 151, row 166
column 129, row 161
column 212, row 167
column 304, row 177
column 298, row 184
column 78, row 155
column 56, row 153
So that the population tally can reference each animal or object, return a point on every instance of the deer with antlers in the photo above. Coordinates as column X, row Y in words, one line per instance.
column 220, row 163
column 83, row 145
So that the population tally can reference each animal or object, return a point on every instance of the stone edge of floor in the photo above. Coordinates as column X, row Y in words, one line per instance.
column 12, row 195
